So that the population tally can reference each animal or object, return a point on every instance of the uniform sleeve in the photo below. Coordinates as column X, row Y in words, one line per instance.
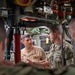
column 68, row 51
column 22, row 57
column 42, row 54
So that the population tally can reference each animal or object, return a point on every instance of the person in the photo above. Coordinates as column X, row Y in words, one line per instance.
column 55, row 54
column 69, row 70
column 3, row 41
column 72, row 28
column 31, row 54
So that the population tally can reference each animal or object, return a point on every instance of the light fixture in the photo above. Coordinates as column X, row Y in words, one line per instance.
column 28, row 19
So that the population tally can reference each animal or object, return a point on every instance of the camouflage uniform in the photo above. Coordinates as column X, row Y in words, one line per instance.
column 24, row 69
column 55, row 54
column 67, row 70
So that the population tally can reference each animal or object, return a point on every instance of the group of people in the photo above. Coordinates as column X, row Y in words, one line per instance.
column 35, row 55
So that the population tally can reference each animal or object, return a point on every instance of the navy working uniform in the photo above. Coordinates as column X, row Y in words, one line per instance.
column 55, row 54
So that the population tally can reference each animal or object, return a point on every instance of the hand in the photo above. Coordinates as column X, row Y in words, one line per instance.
column 29, row 61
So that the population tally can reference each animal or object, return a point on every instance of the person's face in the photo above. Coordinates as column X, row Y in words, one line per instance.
column 52, row 36
column 27, row 41
column 72, row 31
